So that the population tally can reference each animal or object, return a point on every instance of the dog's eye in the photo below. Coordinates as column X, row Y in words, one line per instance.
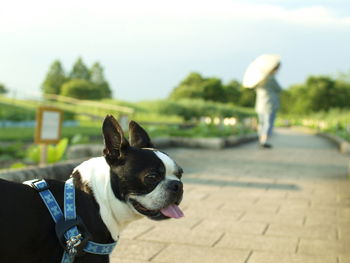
column 151, row 178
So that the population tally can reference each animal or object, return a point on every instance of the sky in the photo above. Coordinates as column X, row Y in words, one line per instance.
column 148, row 47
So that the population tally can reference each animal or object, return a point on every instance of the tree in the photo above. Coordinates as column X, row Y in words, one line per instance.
column 54, row 79
column 81, row 89
column 286, row 101
column 233, row 92
column 3, row 89
column 294, row 100
column 98, row 79
column 212, row 90
column 188, row 88
column 318, row 93
column 342, row 89
column 79, row 70
column 247, row 98
column 194, row 86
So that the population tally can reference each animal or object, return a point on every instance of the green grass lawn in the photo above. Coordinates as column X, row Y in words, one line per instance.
column 161, row 118
column 335, row 121
column 94, row 132
column 25, row 134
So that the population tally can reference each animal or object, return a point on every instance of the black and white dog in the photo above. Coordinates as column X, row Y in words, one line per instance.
column 130, row 181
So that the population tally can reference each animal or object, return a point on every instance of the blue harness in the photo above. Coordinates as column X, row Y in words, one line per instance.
column 70, row 229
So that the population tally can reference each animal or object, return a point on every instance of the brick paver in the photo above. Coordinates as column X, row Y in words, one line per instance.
column 290, row 204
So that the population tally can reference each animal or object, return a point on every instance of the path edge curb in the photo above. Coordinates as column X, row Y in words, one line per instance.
column 342, row 144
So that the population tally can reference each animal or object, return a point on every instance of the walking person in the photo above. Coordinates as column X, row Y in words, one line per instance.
column 261, row 75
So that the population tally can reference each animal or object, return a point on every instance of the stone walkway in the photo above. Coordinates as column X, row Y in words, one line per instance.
column 290, row 204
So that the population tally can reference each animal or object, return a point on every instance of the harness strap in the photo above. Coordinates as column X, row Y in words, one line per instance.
column 68, row 225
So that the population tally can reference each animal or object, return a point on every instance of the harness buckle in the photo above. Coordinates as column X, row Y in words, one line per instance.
column 38, row 187
column 72, row 243
column 75, row 244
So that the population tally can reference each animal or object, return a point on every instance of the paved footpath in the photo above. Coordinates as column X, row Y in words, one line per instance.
column 290, row 204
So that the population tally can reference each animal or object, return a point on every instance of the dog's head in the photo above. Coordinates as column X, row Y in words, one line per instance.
column 148, row 180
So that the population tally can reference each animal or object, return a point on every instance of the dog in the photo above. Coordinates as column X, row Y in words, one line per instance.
column 130, row 181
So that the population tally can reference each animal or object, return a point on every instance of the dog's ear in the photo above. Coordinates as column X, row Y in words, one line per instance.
column 138, row 136
column 115, row 143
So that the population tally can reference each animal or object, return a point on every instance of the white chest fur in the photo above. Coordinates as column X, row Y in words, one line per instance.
column 115, row 214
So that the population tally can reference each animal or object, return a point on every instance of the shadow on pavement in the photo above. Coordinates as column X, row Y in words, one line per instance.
column 272, row 186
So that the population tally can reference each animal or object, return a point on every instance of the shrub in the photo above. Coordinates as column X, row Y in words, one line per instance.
column 81, row 89
column 15, row 113
column 54, row 152
column 194, row 109
column 13, row 151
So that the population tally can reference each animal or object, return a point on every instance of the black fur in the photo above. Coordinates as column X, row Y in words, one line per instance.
column 28, row 231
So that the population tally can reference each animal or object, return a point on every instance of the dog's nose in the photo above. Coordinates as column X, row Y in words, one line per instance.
column 175, row 186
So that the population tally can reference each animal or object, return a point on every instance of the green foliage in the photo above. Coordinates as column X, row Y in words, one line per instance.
column 233, row 92
column 92, row 80
column 247, row 98
column 321, row 92
column 194, row 86
column 318, row 93
column 54, row 79
column 98, row 79
column 79, row 139
column 33, row 153
column 202, row 130
column 19, row 112
column 26, row 134
column 79, row 70
column 18, row 165
column 175, row 111
column 3, row 89
column 196, row 108
column 188, row 88
column 15, row 113
column 199, row 131
column 81, row 89
column 86, row 84
column 54, row 152
column 334, row 121
column 12, row 151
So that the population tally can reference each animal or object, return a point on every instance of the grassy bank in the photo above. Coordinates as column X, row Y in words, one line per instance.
column 335, row 122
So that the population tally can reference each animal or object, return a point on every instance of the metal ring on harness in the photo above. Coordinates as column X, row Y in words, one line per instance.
column 62, row 226
column 70, row 229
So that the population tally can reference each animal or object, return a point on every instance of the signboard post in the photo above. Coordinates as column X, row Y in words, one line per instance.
column 48, row 129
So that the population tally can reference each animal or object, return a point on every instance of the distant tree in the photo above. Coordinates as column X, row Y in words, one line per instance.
column 3, row 89
column 233, row 92
column 318, row 93
column 192, row 79
column 81, row 89
column 212, row 90
column 54, row 79
column 194, row 86
column 98, row 79
column 188, row 88
column 342, row 89
column 286, row 101
column 79, row 70
column 247, row 98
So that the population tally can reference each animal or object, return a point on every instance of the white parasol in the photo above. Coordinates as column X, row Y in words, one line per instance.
column 259, row 69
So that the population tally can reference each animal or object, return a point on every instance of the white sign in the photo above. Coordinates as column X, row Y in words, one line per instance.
column 48, row 128
column 50, row 125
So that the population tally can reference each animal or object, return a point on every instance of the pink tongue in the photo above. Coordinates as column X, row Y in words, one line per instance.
column 172, row 211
